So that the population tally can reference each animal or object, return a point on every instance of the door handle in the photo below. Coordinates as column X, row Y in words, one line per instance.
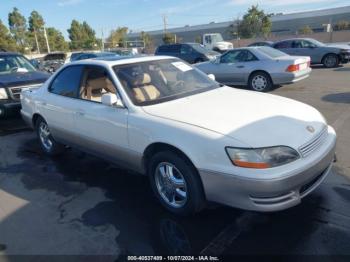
column 240, row 66
column 80, row 113
column 43, row 103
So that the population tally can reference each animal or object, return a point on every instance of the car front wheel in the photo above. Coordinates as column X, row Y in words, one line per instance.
column 176, row 183
column 47, row 142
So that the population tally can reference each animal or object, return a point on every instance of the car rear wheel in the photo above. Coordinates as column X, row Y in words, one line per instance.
column 176, row 183
column 46, row 141
column 260, row 81
column 330, row 61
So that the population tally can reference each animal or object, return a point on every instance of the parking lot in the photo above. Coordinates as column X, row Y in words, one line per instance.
column 80, row 205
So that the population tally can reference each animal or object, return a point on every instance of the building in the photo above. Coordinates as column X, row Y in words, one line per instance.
column 283, row 24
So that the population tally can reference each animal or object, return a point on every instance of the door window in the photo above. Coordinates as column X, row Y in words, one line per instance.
column 96, row 82
column 67, row 82
column 238, row 56
column 284, row 44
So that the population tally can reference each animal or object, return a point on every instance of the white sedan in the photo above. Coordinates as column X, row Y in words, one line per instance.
column 197, row 140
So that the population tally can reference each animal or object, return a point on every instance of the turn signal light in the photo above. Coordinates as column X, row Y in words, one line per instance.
column 292, row 68
column 260, row 165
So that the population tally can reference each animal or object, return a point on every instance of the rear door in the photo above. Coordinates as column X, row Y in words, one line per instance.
column 286, row 47
column 58, row 106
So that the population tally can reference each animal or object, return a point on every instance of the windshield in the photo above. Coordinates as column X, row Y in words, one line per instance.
column 271, row 52
column 317, row 43
column 158, row 81
column 217, row 38
column 200, row 48
column 15, row 63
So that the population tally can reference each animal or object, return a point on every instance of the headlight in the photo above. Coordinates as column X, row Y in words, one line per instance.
column 3, row 94
column 262, row 157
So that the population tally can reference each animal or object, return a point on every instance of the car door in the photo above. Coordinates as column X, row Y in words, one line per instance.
column 58, row 105
column 310, row 49
column 102, row 128
column 230, row 68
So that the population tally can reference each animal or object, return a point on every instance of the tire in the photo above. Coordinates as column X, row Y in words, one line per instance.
column 46, row 141
column 187, row 180
column 330, row 61
column 260, row 81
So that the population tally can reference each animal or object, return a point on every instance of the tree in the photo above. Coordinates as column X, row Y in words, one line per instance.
column 82, row 36
column 118, row 37
column 56, row 40
column 306, row 30
column 7, row 42
column 18, row 27
column 36, row 24
column 342, row 25
column 255, row 23
column 168, row 38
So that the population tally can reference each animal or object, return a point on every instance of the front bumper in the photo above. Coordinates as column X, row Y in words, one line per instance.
column 344, row 58
column 8, row 107
column 269, row 194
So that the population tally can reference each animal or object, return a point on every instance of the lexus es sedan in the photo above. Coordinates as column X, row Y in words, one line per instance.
column 195, row 139
column 259, row 68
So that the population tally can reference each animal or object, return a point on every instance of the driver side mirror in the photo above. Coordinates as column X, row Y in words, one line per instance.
column 217, row 60
column 110, row 99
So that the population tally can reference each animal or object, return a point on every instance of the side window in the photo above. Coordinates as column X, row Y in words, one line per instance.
column 67, row 82
column 185, row 49
column 230, row 57
column 297, row 44
column 307, row 44
column 250, row 57
column 96, row 82
column 284, row 44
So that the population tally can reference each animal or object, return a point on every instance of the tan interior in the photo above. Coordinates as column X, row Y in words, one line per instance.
column 144, row 90
column 95, row 88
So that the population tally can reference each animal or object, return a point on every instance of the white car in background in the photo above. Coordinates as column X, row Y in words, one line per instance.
column 197, row 140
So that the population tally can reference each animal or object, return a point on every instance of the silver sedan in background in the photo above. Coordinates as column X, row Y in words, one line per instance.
column 259, row 68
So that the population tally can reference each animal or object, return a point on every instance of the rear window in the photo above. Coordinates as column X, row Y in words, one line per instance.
column 271, row 52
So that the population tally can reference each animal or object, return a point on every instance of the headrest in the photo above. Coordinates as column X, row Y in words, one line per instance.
column 97, row 83
column 146, row 79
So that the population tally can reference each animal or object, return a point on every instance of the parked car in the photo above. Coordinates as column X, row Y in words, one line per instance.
column 215, row 42
column 197, row 140
column 262, row 43
column 89, row 55
column 328, row 55
column 51, row 62
column 259, row 68
column 73, row 56
column 190, row 52
column 16, row 74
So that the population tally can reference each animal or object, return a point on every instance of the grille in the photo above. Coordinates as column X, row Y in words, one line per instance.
column 315, row 143
column 15, row 92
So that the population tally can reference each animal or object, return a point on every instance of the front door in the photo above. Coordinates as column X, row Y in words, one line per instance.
column 103, row 129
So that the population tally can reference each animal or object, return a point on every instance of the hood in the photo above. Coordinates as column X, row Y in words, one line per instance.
column 256, row 119
column 21, row 79
column 341, row 46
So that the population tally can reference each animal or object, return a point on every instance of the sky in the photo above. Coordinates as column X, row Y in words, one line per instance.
column 146, row 15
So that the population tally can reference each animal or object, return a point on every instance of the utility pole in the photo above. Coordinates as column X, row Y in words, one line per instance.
column 47, row 41
column 165, row 22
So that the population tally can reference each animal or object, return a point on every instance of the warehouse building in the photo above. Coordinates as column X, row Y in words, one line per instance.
column 283, row 24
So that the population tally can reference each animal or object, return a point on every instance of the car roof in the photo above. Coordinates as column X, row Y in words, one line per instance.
column 296, row 38
column 9, row 53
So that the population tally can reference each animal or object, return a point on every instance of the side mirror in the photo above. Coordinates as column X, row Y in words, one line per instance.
column 110, row 99
column 217, row 60
column 211, row 76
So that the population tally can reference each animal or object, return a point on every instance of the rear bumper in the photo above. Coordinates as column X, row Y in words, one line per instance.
column 8, row 108
column 289, row 78
column 268, row 195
